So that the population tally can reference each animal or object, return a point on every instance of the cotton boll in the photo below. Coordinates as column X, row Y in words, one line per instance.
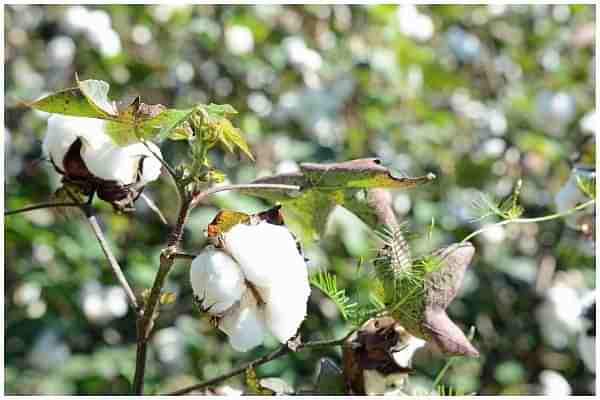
column 216, row 280
column 265, row 252
column 122, row 164
column 285, row 307
column 410, row 345
column 63, row 131
column 244, row 324
column 151, row 166
column 111, row 163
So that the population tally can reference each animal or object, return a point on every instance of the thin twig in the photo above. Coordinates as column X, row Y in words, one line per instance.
column 283, row 350
column 42, row 205
column 185, row 256
column 110, row 257
column 167, row 166
column 531, row 220
column 273, row 186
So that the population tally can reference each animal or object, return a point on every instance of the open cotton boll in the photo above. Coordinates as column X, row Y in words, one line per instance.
column 244, row 324
column 264, row 251
column 285, row 308
column 216, row 280
column 62, row 131
column 409, row 346
column 150, row 165
column 122, row 164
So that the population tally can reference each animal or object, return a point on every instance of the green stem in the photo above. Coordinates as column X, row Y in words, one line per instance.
column 531, row 220
column 42, row 205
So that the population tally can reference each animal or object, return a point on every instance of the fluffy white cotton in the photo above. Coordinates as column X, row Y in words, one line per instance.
column 216, row 280
column 408, row 348
column 62, row 131
column 262, row 265
column 265, row 252
column 244, row 324
column 103, row 158
column 285, row 307
column 122, row 164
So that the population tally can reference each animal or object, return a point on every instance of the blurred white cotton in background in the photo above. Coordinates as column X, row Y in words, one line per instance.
column 97, row 28
column 589, row 122
column 49, row 351
column 414, row 24
column 239, row 39
column 553, row 384
column 60, row 51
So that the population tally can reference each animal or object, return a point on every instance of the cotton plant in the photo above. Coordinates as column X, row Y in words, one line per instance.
column 251, row 278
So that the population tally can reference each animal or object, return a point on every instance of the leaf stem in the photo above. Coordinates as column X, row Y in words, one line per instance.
column 283, row 350
column 531, row 220
column 215, row 189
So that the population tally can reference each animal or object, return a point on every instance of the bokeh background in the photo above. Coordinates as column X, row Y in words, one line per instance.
column 480, row 95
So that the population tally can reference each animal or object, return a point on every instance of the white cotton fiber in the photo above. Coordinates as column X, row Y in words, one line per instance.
column 216, row 280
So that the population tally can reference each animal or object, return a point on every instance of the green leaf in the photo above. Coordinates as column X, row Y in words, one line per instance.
column 327, row 283
column 167, row 122
column 96, row 92
column 67, row 102
column 231, row 137
column 222, row 110
column 326, row 185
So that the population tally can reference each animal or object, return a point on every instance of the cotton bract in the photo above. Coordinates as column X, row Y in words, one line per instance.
column 257, row 283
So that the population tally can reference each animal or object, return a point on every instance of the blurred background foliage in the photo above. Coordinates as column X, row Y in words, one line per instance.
column 480, row 95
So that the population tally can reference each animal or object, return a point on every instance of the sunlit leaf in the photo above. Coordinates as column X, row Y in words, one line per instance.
column 225, row 220
column 96, row 93
column 67, row 102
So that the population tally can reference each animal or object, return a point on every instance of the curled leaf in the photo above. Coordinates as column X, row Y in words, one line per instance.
column 326, row 185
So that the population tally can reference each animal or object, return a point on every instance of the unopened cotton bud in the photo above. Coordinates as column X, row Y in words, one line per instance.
column 216, row 280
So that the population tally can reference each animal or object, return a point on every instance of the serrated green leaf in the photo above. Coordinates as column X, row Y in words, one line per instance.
column 166, row 122
column 231, row 136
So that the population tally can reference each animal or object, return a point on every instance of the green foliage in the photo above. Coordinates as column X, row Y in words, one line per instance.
column 327, row 283
column 479, row 123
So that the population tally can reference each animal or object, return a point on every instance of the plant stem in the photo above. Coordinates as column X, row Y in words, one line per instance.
column 530, row 220
column 146, row 320
column 200, row 196
column 40, row 206
column 283, row 350
column 91, row 218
